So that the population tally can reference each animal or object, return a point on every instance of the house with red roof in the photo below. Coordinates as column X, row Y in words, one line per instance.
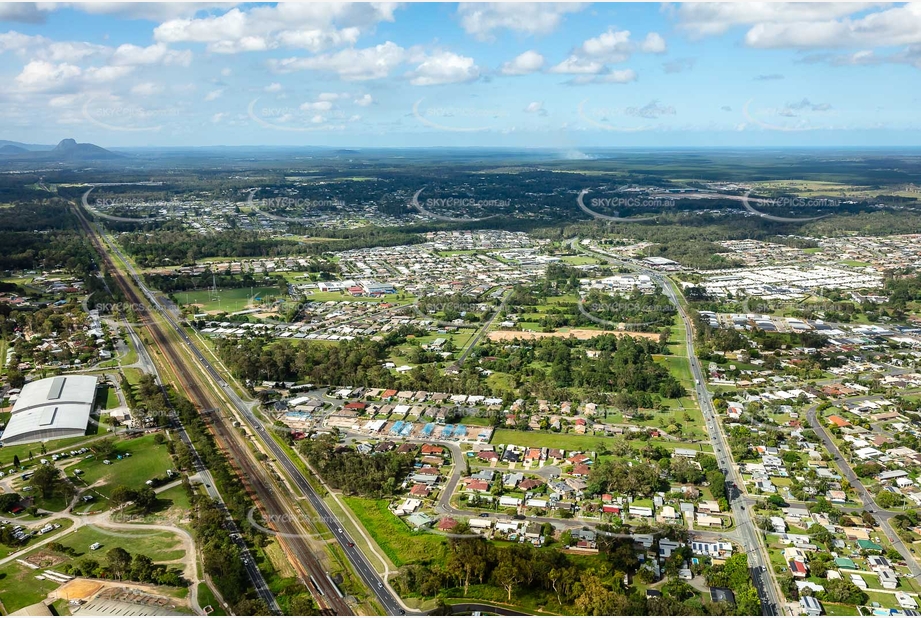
column 432, row 449
column 420, row 490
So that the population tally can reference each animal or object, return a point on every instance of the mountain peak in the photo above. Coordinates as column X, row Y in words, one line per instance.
column 66, row 144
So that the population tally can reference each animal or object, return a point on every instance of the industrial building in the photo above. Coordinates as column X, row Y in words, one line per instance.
column 51, row 409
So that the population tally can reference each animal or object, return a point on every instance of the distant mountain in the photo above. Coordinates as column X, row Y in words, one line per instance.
column 67, row 150
column 26, row 147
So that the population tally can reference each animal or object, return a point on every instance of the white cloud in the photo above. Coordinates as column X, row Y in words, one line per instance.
column 806, row 25
column 157, row 53
column 25, row 12
column 364, row 100
column 226, row 72
column 41, row 76
column 711, row 18
column 317, row 106
column 18, row 42
column 350, row 64
column 536, row 107
column 653, row 44
column 444, row 68
column 896, row 26
column 624, row 76
column 594, row 55
column 577, row 66
column 523, row 64
column 152, row 11
column 311, row 26
column 318, row 119
column 481, row 18
column 70, row 51
column 102, row 75
column 218, row 117
column 611, row 46
column 214, row 94
column 332, row 96
column 273, row 87
column 146, row 89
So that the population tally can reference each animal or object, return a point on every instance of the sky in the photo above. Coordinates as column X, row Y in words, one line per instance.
column 564, row 76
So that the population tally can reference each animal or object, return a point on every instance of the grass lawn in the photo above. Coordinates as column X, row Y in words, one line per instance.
column 110, row 399
column 148, row 460
column 679, row 367
column 22, row 450
column 230, row 300
column 206, row 598
column 19, row 588
column 160, row 546
column 574, row 442
column 393, row 536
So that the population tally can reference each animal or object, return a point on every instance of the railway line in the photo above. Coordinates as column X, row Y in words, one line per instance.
column 282, row 518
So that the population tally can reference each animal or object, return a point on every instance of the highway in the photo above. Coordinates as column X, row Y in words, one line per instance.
column 255, row 575
column 759, row 562
column 388, row 600
column 285, row 520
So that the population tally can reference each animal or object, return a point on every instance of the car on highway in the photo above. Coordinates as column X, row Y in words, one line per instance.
column 380, row 585
column 351, row 544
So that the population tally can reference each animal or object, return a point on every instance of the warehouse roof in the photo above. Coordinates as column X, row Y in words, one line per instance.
column 52, row 408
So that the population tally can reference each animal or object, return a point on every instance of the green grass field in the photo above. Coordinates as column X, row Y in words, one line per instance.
column 229, row 300
column 148, row 460
column 393, row 536
column 573, row 442
column 160, row 546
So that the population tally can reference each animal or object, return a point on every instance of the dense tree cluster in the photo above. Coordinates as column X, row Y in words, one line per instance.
column 119, row 564
column 344, row 468
column 548, row 578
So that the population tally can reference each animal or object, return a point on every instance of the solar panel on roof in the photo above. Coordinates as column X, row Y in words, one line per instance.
column 57, row 386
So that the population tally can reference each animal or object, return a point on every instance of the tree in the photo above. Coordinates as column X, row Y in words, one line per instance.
column 142, row 568
column 507, row 575
column 145, row 499
column 16, row 463
column 302, row 605
column 46, row 480
column 122, row 495
column 747, row 602
column 119, row 561
column 844, row 591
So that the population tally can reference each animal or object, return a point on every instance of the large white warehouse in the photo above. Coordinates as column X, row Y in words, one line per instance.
column 51, row 409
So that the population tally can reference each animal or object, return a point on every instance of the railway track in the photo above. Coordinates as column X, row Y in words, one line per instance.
column 280, row 517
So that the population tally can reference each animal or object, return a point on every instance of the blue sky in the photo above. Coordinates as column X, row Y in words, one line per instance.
column 565, row 76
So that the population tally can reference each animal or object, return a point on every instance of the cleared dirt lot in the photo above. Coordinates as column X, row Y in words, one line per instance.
column 578, row 333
